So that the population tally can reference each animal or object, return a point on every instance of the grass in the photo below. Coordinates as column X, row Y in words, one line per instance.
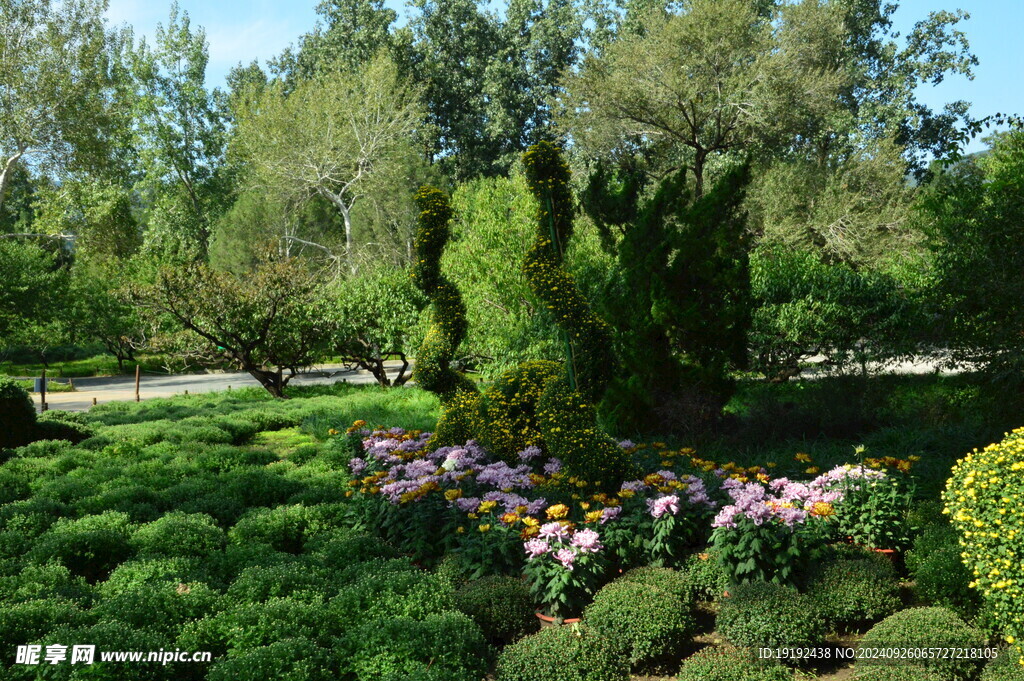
column 52, row 386
column 98, row 365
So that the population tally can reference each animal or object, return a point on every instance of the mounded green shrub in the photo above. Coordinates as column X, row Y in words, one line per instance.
column 296, row 580
column 342, row 548
column 247, row 626
column 715, row 664
column 412, row 594
column 671, row 581
column 295, row 659
column 17, row 415
column 63, row 425
column 766, row 615
column 91, row 546
column 160, row 606
column 43, row 581
column 501, row 606
column 1006, row 667
column 707, row 576
column 31, row 620
column 850, row 593
column 898, row 671
column 565, row 653
column 939, row 574
column 179, row 534
column 448, row 644
column 646, row 624
column 928, row 628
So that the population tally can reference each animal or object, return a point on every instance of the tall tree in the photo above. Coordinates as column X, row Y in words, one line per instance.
column 182, row 137
column 348, row 35
column 55, row 86
column 331, row 135
column 453, row 43
column 714, row 78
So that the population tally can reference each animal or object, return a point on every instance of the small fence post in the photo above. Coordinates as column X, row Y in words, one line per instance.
column 42, row 392
column 137, row 375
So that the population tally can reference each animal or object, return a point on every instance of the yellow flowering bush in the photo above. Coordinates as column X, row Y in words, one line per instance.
column 984, row 501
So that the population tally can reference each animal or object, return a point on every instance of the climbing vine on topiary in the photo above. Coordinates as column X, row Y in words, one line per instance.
column 537, row 403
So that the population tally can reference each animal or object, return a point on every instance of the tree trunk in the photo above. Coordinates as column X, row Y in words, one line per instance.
column 700, row 157
column 402, row 377
column 272, row 381
column 7, row 173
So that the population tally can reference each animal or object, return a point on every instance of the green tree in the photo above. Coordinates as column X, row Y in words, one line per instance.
column 56, row 87
column 349, row 34
column 182, row 139
column 376, row 317
column 331, row 136
column 715, row 78
column 271, row 321
column 974, row 215
column 452, row 44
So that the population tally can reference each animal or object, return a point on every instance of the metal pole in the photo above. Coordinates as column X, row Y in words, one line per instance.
column 137, row 376
column 42, row 392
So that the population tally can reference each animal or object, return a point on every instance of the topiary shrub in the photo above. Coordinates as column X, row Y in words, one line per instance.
column 63, row 425
column 283, row 527
column 566, row 653
column 247, row 626
column 645, row 624
column 766, row 615
column 928, row 628
column 413, row 594
column 668, row 580
column 939, row 574
column 707, row 576
column 850, row 593
column 501, row 606
column 445, row 645
column 1007, row 666
column 342, row 548
column 91, row 546
column 898, row 671
column 17, row 415
column 295, row 659
column 715, row 664
column 43, row 581
column 179, row 534
column 509, row 409
column 161, row 606
column 297, row 580
column 983, row 499
column 31, row 620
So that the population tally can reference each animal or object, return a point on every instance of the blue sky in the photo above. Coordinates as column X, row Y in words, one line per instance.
column 243, row 30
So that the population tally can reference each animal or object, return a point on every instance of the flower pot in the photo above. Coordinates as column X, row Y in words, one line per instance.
column 548, row 621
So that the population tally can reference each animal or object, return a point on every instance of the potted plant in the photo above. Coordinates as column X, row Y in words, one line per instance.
column 564, row 568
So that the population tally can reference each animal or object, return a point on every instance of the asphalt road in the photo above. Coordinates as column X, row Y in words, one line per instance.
column 122, row 388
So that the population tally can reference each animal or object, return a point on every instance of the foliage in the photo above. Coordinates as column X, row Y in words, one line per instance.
column 706, row 575
column 328, row 136
column 765, row 615
column 939, row 574
column 1005, row 667
column 851, row 592
column 564, row 653
column 17, row 415
column 439, row 646
column 60, row 108
column 678, row 297
column 805, row 307
column 501, row 606
column 62, row 425
column 273, row 320
column 375, row 312
column 648, row 625
column 973, row 214
column 982, row 502
column 90, row 546
column 897, row 672
column 924, row 628
column 874, row 512
column 675, row 583
column 717, row 664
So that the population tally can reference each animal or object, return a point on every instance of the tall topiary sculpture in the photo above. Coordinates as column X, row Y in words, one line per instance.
column 537, row 403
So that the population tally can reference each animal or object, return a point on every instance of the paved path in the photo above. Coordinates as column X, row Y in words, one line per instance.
column 122, row 388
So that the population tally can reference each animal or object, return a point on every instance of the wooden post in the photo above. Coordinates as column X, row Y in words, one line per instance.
column 137, row 375
column 71, row 382
column 186, row 392
column 42, row 393
column 94, row 401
